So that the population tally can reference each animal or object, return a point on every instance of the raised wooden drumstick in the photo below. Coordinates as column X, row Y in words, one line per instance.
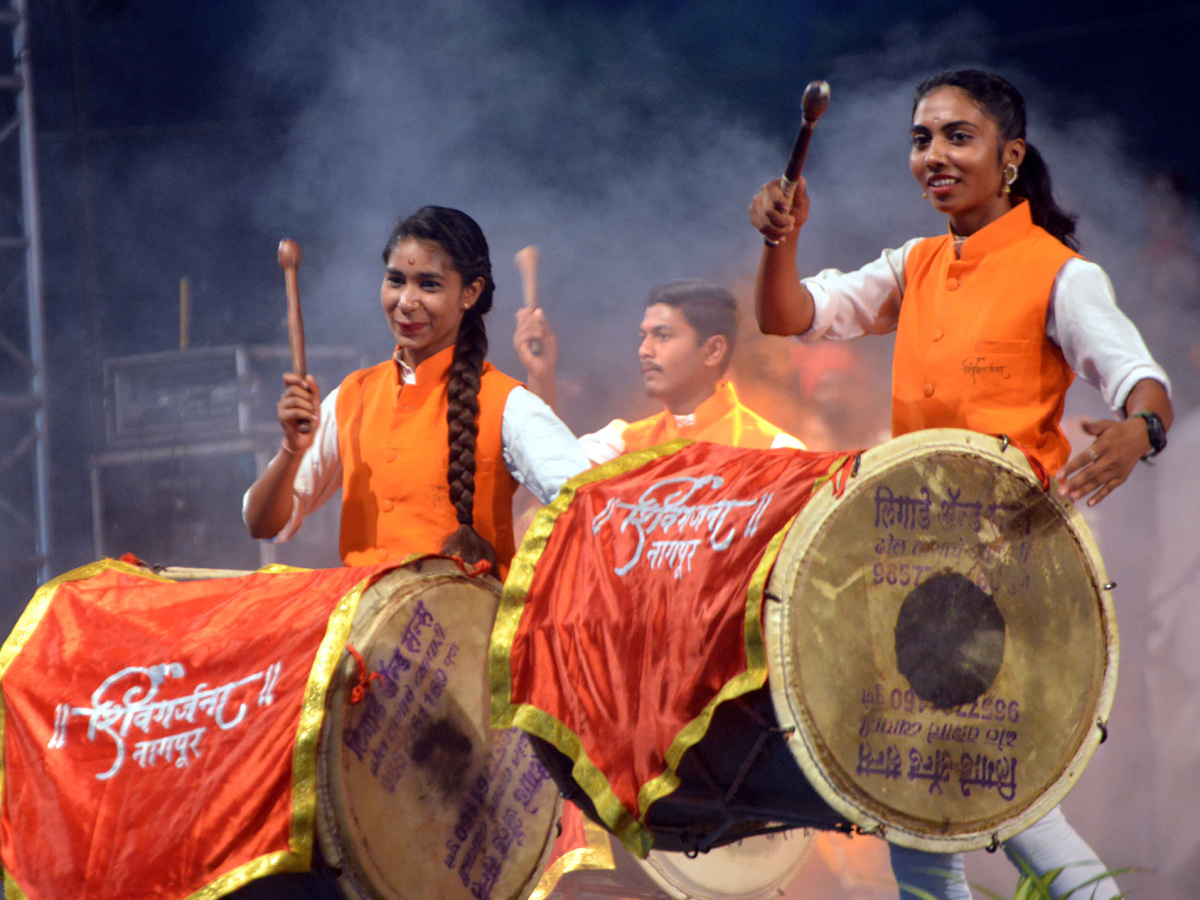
column 289, row 261
column 813, row 104
column 527, row 264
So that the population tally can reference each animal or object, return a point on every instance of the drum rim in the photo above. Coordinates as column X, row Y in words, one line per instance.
column 353, row 878
column 679, row 891
column 776, row 625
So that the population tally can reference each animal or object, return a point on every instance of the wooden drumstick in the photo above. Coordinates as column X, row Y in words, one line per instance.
column 289, row 261
column 527, row 264
column 813, row 104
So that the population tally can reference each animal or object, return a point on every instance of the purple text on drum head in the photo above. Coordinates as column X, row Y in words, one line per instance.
column 491, row 817
column 919, row 512
column 983, row 709
column 938, row 768
column 876, row 725
column 494, row 809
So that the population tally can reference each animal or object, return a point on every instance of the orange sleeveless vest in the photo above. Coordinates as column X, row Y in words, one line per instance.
column 971, row 344
column 721, row 419
column 393, row 440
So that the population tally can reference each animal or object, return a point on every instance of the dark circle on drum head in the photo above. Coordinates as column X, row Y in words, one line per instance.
column 445, row 751
column 949, row 640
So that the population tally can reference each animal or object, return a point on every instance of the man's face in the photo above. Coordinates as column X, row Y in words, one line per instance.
column 676, row 365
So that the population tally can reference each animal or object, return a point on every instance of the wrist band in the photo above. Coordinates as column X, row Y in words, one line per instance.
column 1155, row 431
column 286, row 449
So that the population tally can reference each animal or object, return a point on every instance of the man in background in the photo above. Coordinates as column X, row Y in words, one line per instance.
column 688, row 335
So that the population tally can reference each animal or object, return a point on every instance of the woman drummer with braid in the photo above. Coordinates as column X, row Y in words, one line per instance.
column 428, row 447
column 992, row 322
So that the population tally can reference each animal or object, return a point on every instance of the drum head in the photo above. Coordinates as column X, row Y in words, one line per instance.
column 754, row 868
column 419, row 798
column 942, row 641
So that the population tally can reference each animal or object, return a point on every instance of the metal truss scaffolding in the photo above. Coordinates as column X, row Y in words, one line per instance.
column 24, row 460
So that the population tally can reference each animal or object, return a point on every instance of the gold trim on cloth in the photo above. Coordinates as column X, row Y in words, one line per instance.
column 834, row 467
column 631, row 832
column 596, row 856
column 312, row 716
column 12, row 891
column 298, row 856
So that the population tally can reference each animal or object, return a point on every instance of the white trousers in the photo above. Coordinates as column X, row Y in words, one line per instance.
column 1048, row 844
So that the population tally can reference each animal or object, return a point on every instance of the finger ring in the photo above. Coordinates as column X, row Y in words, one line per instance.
column 1092, row 453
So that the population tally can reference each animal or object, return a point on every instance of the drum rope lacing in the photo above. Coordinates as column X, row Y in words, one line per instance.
column 483, row 567
column 724, row 799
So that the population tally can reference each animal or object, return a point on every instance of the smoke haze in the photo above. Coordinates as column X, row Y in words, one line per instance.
column 577, row 132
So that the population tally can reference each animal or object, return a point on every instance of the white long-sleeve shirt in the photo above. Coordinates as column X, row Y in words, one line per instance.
column 1098, row 341
column 608, row 443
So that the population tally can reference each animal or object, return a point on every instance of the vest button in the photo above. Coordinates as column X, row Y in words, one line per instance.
column 938, row 334
column 929, row 390
column 389, row 505
column 390, row 456
column 952, row 284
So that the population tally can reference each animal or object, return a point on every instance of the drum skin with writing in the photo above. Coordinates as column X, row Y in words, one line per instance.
column 418, row 799
column 942, row 641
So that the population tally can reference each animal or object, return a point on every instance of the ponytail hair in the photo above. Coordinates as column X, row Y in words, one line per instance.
column 462, row 239
column 1004, row 105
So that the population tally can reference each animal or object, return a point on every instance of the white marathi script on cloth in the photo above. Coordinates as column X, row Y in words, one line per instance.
column 671, row 507
column 130, row 699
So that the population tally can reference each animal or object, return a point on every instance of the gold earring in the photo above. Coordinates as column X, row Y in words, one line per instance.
column 924, row 195
column 1010, row 175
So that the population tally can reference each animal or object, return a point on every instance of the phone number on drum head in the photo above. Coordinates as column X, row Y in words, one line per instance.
column 985, row 709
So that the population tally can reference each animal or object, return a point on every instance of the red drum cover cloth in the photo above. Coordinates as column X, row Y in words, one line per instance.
column 634, row 607
column 160, row 737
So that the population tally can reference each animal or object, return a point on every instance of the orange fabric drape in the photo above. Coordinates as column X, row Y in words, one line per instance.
column 160, row 737
column 721, row 419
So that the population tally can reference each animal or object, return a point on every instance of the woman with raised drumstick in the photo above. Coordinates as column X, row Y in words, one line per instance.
column 992, row 322
column 428, row 447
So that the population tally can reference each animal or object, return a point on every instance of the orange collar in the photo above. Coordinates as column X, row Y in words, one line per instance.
column 999, row 233
column 722, row 402
column 432, row 371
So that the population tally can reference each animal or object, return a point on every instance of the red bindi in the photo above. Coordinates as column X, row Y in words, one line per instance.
column 412, row 262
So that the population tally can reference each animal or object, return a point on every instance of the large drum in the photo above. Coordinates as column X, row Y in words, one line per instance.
column 942, row 642
column 418, row 798
column 942, row 658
